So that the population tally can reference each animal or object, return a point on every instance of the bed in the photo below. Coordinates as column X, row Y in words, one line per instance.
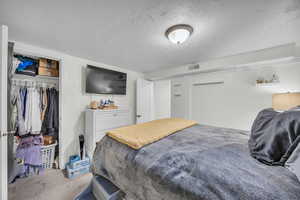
column 197, row 163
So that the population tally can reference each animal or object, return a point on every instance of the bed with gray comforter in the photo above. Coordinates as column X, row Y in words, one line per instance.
column 200, row 162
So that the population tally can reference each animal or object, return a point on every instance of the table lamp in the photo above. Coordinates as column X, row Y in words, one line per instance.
column 285, row 101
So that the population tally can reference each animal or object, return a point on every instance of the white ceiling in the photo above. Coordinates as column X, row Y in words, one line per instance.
column 130, row 33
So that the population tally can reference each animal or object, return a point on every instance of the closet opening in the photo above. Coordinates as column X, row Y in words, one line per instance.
column 33, row 114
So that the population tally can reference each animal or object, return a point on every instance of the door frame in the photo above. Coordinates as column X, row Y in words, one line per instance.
column 45, row 53
column 3, row 112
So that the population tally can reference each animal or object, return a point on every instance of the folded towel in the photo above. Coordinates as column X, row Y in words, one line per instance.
column 137, row 136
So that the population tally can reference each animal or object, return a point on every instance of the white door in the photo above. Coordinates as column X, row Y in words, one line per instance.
column 3, row 111
column 179, row 98
column 144, row 101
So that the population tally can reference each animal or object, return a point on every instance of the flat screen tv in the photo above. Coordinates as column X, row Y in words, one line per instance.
column 104, row 81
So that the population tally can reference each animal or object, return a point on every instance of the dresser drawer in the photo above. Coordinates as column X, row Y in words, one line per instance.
column 99, row 135
column 111, row 120
column 98, row 122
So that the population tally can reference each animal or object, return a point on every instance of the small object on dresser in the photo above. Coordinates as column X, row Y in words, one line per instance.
column 275, row 79
column 94, row 105
column 107, row 105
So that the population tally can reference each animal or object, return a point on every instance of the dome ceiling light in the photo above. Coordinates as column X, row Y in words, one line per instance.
column 178, row 34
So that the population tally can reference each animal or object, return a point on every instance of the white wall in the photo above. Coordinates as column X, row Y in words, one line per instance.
column 236, row 103
column 73, row 99
column 279, row 54
column 162, row 99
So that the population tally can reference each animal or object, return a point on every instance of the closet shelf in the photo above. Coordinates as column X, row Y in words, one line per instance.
column 35, row 78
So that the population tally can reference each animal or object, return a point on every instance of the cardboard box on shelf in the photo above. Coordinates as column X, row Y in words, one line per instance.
column 48, row 63
column 44, row 71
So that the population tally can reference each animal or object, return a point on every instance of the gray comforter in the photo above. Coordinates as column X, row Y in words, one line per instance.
column 200, row 162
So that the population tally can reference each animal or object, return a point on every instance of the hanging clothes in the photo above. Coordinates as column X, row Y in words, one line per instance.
column 36, row 122
column 29, row 112
column 44, row 102
column 50, row 123
column 13, row 109
column 20, row 123
column 33, row 121
column 23, row 98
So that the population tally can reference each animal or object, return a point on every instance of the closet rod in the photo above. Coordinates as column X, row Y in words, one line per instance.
column 208, row 83
column 32, row 83
column 176, row 85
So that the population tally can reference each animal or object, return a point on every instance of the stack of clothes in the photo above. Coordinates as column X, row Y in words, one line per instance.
column 29, row 154
column 25, row 65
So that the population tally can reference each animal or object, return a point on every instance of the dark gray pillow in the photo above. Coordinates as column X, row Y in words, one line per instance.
column 274, row 136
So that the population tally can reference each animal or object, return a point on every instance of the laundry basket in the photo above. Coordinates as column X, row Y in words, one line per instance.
column 48, row 153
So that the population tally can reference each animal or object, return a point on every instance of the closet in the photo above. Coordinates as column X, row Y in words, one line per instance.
column 32, row 113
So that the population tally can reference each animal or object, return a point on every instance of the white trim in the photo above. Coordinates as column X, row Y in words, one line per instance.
column 3, row 112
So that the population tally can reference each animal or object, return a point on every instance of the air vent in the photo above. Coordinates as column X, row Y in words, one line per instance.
column 194, row 67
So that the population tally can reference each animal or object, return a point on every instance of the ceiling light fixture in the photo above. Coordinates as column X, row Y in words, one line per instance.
column 179, row 33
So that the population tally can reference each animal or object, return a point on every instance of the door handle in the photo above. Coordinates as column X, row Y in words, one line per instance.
column 138, row 116
column 3, row 134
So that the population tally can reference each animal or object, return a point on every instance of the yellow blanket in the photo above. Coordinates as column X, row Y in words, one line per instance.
column 137, row 136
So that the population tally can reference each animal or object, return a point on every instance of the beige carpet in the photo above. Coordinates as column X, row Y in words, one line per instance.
column 52, row 185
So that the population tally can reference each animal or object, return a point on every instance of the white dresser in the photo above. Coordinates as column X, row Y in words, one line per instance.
column 98, row 122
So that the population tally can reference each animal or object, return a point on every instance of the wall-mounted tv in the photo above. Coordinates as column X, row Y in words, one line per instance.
column 104, row 81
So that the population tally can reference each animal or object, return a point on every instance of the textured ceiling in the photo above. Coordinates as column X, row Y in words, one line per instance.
column 130, row 33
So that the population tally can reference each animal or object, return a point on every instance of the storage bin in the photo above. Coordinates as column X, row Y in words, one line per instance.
column 73, row 173
column 80, row 163
column 48, row 153
column 86, row 194
column 105, row 190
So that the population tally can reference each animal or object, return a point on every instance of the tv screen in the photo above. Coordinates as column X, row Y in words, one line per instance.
column 104, row 81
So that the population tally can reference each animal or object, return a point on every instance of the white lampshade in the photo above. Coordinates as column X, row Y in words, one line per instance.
column 179, row 33
column 285, row 101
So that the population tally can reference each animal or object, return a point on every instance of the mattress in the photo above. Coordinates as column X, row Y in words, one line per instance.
column 197, row 163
